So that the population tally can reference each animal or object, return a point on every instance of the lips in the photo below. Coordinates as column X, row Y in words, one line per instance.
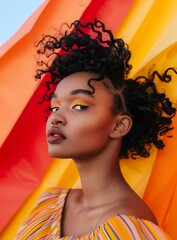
column 54, row 135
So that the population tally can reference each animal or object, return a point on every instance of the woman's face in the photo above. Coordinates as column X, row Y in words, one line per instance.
column 80, row 123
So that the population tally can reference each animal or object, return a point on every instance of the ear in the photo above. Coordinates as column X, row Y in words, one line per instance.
column 122, row 126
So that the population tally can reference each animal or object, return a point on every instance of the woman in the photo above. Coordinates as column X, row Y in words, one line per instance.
column 98, row 115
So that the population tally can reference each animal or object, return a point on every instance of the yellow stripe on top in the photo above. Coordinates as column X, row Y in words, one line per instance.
column 45, row 223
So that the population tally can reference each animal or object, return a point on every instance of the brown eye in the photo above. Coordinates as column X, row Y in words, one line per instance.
column 54, row 109
column 80, row 107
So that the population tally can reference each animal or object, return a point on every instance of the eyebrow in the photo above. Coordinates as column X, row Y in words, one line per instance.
column 77, row 91
column 82, row 91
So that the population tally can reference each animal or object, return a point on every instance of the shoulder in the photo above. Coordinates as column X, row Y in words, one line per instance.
column 51, row 200
column 52, row 194
column 139, row 209
column 48, row 208
column 130, row 227
column 133, row 205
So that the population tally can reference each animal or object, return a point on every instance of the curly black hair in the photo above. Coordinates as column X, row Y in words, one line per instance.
column 90, row 47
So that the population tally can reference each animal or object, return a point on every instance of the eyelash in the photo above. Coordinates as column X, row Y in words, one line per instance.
column 82, row 108
column 54, row 109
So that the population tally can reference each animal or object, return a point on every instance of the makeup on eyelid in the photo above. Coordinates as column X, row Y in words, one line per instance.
column 54, row 107
column 76, row 102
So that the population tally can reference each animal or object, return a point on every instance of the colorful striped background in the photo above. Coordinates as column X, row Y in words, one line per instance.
column 149, row 27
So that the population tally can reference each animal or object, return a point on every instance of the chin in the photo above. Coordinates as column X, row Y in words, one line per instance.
column 54, row 155
column 57, row 155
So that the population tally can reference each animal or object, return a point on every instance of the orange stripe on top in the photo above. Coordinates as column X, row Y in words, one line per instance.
column 45, row 221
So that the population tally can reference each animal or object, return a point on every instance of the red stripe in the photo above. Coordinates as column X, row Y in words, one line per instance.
column 112, row 13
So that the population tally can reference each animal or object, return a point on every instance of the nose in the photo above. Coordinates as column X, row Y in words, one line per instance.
column 57, row 120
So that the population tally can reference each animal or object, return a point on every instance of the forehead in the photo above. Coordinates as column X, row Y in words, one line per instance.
column 80, row 81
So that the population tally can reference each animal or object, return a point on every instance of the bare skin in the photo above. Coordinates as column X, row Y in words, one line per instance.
column 93, row 137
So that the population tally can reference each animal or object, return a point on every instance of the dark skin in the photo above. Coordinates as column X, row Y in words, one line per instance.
column 92, row 138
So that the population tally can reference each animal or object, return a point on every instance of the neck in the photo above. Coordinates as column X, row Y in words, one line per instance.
column 100, row 176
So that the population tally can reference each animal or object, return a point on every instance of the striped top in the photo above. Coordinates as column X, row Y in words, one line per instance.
column 45, row 223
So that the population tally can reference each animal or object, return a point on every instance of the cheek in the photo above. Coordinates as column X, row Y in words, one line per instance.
column 93, row 128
